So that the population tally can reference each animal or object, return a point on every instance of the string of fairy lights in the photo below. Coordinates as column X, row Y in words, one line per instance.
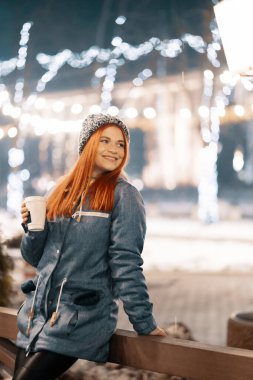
column 18, row 108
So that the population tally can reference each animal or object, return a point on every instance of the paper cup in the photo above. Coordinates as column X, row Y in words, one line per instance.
column 37, row 208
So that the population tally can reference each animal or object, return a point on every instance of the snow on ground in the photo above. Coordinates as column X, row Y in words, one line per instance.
column 185, row 244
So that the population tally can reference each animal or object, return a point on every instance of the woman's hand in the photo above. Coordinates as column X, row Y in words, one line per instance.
column 24, row 213
column 158, row 331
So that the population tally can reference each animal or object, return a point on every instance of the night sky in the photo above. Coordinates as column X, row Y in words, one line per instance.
column 79, row 24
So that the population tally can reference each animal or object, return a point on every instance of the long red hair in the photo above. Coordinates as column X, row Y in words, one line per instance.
column 76, row 184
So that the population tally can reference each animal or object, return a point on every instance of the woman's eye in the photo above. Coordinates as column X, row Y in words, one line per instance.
column 121, row 145
column 104, row 140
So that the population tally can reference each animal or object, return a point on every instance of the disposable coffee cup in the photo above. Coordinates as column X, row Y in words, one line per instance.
column 37, row 213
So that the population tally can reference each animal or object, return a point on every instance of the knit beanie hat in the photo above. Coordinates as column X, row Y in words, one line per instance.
column 93, row 122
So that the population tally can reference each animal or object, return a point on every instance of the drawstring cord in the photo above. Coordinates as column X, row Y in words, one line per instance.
column 55, row 313
column 31, row 311
column 53, row 317
column 77, row 214
column 80, row 209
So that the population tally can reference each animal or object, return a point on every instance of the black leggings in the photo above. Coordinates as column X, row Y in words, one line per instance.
column 42, row 365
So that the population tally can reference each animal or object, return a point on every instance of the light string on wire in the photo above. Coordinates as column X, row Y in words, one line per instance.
column 16, row 154
column 213, row 107
column 111, row 59
column 21, row 61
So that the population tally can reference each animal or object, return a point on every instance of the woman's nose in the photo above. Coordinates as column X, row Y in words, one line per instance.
column 112, row 148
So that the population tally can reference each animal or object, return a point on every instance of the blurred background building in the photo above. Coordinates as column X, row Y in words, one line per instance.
column 159, row 66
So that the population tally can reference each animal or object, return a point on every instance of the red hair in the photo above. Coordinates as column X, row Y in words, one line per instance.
column 76, row 184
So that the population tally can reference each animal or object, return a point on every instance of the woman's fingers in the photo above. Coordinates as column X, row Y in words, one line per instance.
column 24, row 213
column 158, row 331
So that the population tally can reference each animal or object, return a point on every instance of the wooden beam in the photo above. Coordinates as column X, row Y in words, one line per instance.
column 192, row 360
column 7, row 354
column 8, row 323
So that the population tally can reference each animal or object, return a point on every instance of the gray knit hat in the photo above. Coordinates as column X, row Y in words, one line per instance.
column 93, row 122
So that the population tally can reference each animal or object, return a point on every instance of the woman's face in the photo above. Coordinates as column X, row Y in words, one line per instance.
column 110, row 152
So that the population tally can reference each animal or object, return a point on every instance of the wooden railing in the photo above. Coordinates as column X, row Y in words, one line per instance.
column 8, row 333
column 191, row 360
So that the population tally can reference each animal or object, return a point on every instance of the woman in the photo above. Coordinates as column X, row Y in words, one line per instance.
column 87, row 257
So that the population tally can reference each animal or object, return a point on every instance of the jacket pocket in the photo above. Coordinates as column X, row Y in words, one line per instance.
column 91, row 312
column 87, row 298
column 65, row 322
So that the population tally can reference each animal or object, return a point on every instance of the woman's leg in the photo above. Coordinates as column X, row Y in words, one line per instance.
column 43, row 365
column 20, row 359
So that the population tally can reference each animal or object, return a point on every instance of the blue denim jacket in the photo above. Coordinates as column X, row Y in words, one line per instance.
column 83, row 268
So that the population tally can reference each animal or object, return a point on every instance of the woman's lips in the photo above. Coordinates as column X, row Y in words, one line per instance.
column 112, row 159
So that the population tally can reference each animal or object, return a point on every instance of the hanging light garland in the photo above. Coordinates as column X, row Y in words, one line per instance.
column 16, row 154
column 114, row 57
column 111, row 59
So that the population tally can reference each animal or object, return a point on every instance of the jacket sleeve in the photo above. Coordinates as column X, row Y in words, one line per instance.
column 32, row 245
column 127, row 237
